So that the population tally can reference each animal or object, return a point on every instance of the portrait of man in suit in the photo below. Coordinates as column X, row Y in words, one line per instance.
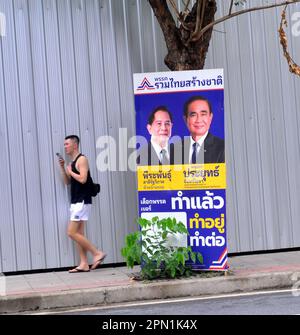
column 201, row 146
column 158, row 151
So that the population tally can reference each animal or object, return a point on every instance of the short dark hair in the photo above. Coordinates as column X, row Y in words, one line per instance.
column 75, row 138
column 192, row 99
column 159, row 108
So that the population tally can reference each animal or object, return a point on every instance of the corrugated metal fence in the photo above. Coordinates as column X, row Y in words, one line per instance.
column 66, row 67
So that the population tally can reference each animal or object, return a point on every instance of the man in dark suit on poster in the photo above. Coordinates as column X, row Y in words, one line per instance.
column 201, row 146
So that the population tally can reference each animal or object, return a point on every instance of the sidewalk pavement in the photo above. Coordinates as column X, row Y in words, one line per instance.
column 105, row 286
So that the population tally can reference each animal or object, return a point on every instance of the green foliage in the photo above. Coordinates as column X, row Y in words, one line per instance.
column 150, row 247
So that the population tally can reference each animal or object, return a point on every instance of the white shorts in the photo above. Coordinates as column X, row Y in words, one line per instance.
column 80, row 211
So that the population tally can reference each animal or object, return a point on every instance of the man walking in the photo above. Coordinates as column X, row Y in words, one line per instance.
column 77, row 174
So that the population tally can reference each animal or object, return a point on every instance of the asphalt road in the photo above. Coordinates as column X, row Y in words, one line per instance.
column 285, row 302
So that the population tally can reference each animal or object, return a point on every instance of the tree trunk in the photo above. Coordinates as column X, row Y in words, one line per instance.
column 183, row 52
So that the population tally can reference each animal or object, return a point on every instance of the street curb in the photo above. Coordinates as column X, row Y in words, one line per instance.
column 138, row 291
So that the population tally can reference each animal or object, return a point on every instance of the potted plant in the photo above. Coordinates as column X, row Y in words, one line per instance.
column 151, row 247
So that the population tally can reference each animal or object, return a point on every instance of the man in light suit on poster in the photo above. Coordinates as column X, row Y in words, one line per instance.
column 158, row 151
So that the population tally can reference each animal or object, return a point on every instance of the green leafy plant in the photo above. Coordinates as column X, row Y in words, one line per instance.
column 151, row 246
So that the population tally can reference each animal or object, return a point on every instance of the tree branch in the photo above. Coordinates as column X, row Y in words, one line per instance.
column 186, row 6
column 230, row 8
column 293, row 67
column 202, row 13
column 166, row 22
column 200, row 16
column 181, row 16
column 175, row 8
column 201, row 32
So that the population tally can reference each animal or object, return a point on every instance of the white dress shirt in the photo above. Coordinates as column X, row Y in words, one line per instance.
column 200, row 142
column 158, row 149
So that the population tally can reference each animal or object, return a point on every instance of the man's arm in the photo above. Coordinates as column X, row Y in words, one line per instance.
column 66, row 176
column 82, row 166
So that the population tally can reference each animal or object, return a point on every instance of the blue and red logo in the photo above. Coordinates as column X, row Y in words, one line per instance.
column 221, row 263
column 145, row 85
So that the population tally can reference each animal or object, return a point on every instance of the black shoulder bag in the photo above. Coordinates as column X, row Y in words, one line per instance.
column 93, row 188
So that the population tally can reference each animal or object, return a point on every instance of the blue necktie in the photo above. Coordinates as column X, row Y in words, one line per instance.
column 194, row 155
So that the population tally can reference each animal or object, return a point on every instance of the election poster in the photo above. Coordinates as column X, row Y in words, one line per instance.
column 181, row 169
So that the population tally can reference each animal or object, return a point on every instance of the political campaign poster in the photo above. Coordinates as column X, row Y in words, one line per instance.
column 181, row 169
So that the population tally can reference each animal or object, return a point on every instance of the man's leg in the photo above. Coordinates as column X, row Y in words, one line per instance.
column 82, row 252
column 74, row 228
column 76, row 233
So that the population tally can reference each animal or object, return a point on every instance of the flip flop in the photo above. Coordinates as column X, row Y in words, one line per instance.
column 78, row 270
column 98, row 262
